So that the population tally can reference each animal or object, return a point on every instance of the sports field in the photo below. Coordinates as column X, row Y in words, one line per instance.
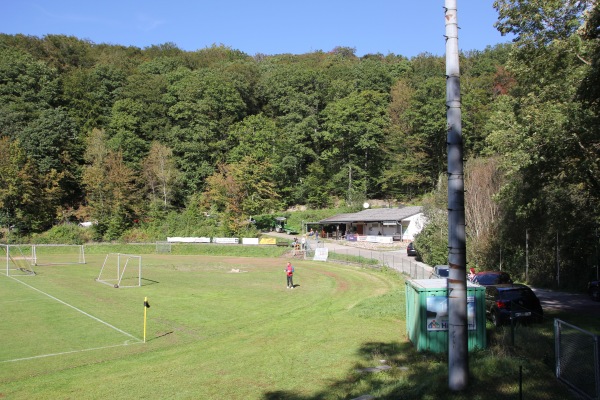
column 218, row 327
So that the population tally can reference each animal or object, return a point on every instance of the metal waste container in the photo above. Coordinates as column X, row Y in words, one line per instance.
column 427, row 314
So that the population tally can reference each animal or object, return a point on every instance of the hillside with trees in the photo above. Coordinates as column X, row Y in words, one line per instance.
column 160, row 141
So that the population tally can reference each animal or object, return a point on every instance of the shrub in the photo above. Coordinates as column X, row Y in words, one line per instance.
column 64, row 234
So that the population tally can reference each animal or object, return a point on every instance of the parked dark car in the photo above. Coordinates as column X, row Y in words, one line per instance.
column 410, row 249
column 512, row 300
column 486, row 278
column 440, row 271
column 594, row 290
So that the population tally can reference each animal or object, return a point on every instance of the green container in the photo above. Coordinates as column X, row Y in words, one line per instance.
column 427, row 314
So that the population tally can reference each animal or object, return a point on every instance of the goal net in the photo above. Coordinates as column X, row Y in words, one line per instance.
column 17, row 259
column 57, row 254
column 163, row 247
column 121, row 270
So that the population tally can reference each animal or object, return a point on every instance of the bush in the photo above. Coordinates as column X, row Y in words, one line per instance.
column 64, row 234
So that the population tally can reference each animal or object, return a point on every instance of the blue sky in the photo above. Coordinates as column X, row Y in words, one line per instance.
column 401, row 27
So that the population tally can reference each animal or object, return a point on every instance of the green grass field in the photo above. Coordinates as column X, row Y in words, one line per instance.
column 226, row 327
column 211, row 332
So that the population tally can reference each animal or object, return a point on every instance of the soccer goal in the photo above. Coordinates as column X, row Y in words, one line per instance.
column 121, row 270
column 18, row 259
column 163, row 247
column 57, row 254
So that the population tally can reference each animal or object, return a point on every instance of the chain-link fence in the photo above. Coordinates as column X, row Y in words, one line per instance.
column 577, row 359
column 407, row 266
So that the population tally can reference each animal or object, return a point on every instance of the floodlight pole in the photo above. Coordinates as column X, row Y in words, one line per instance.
column 458, row 355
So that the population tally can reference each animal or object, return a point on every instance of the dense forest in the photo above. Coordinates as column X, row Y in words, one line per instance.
column 160, row 141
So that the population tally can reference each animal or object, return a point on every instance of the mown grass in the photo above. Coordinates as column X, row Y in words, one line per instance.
column 217, row 333
column 208, row 249
column 353, row 259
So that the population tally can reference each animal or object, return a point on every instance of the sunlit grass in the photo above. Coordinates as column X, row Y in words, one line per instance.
column 226, row 327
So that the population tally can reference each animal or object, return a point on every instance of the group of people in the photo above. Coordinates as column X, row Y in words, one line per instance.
column 298, row 244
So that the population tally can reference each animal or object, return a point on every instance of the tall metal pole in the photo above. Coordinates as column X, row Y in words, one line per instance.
column 458, row 354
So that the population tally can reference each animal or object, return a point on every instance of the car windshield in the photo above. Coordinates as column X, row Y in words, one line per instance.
column 443, row 272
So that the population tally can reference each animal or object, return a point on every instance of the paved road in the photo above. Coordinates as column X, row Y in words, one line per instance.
column 577, row 303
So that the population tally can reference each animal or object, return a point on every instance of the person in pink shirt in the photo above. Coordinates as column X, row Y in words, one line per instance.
column 289, row 272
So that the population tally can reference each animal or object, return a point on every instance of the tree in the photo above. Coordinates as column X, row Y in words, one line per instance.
column 240, row 190
column 540, row 22
column 161, row 174
column 353, row 132
column 145, row 95
column 255, row 136
column 52, row 140
column 293, row 95
column 89, row 94
column 432, row 241
column 541, row 129
column 317, row 186
column 483, row 180
column 66, row 52
column 125, row 131
column 111, row 189
column 404, row 174
column 28, row 199
column 27, row 86
column 203, row 105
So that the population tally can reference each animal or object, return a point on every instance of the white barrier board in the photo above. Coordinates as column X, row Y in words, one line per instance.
column 226, row 240
column 188, row 239
column 321, row 254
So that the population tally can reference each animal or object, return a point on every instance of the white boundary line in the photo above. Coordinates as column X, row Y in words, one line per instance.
column 67, row 352
column 77, row 309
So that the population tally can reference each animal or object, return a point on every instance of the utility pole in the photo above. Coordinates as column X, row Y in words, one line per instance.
column 458, row 351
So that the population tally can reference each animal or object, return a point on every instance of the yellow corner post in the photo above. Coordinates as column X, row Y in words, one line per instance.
column 146, row 307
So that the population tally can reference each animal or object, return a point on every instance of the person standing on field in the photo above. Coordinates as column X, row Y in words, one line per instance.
column 289, row 272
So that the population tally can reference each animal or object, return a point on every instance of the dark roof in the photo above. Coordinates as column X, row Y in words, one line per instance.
column 374, row 215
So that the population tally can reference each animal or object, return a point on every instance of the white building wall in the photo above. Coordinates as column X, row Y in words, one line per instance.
column 415, row 225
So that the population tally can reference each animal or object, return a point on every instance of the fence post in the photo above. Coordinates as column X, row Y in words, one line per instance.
column 520, row 382
column 597, row 365
column 512, row 324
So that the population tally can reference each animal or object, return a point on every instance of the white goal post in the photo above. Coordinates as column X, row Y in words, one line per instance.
column 57, row 254
column 17, row 259
column 163, row 247
column 121, row 270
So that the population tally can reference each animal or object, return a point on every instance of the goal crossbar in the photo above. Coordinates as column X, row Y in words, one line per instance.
column 57, row 254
